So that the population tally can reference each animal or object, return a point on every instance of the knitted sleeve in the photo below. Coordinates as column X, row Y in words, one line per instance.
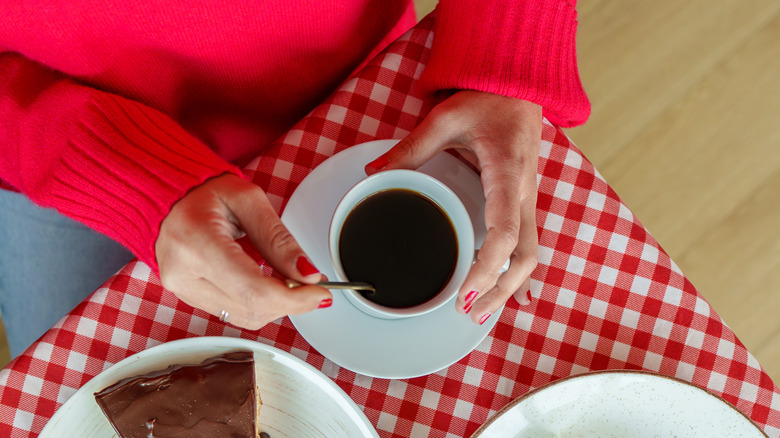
column 517, row 48
column 113, row 164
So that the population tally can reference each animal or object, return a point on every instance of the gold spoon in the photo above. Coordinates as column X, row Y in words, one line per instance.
column 351, row 285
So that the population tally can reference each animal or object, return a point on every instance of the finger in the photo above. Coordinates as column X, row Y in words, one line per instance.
column 251, row 311
column 522, row 263
column 525, row 256
column 214, row 255
column 502, row 218
column 508, row 284
column 257, row 297
column 201, row 262
column 523, row 295
column 422, row 144
column 483, row 307
column 270, row 236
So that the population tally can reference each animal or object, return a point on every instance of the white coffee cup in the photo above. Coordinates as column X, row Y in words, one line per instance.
column 436, row 192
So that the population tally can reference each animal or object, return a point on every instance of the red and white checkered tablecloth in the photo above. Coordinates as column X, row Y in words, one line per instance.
column 606, row 296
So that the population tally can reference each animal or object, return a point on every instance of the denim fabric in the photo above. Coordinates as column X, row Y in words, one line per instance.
column 48, row 264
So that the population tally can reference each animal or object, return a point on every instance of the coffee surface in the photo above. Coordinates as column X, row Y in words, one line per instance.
column 402, row 243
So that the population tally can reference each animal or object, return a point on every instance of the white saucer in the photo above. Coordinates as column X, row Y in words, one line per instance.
column 391, row 349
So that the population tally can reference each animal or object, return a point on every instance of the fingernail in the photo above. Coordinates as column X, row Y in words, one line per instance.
column 379, row 163
column 469, row 301
column 325, row 303
column 484, row 318
column 529, row 296
column 305, row 267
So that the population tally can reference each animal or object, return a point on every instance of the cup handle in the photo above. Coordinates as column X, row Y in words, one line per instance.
column 503, row 268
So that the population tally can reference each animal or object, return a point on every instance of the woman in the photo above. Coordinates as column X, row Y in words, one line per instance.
column 135, row 118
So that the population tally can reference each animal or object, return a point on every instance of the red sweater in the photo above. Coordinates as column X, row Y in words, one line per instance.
column 111, row 112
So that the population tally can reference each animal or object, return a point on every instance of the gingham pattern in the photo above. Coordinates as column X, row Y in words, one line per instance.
column 606, row 295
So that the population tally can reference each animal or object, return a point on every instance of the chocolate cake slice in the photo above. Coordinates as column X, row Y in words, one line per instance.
column 216, row 398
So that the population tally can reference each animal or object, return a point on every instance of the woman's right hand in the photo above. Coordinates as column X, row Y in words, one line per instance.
column 201, row 262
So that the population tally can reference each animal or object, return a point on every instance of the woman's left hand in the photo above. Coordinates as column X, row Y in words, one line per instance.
column 500, row 135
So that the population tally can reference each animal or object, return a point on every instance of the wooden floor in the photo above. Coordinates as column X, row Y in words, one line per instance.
column 686, row 128
column 686, row 105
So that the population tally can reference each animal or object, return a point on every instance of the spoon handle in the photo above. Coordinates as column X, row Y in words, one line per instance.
column 336, row 285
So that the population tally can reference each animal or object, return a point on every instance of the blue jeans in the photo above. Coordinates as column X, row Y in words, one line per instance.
column 48, row 264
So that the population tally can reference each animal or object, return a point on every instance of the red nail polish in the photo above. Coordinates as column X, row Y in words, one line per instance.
column 379, row 163
column 530, row 298
column 305, row 267
column 325, row 303
column 484, row 318
column 469, row 300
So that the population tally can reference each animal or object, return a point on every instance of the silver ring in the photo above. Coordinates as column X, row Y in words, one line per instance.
column 223, row 316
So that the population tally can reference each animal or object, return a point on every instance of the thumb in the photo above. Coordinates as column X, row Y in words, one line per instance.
column 257, row 218
column 422, row 144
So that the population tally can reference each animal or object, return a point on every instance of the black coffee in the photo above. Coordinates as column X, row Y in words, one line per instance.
column 400, row 242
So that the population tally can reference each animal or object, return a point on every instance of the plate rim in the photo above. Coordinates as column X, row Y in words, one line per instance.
column 509, row 406
column 229, row 343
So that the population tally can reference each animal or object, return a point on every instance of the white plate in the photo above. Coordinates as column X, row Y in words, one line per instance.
column 298, row 400
column 391, row 349
column 619, row 404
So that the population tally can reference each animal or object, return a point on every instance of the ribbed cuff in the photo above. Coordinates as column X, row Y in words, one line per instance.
column 125, row 167
column 517, row 48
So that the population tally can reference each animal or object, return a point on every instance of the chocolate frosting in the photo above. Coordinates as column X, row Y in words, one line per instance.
column 215, row 398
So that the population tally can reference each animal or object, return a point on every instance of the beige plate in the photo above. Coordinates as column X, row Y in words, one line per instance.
column 619, row 403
